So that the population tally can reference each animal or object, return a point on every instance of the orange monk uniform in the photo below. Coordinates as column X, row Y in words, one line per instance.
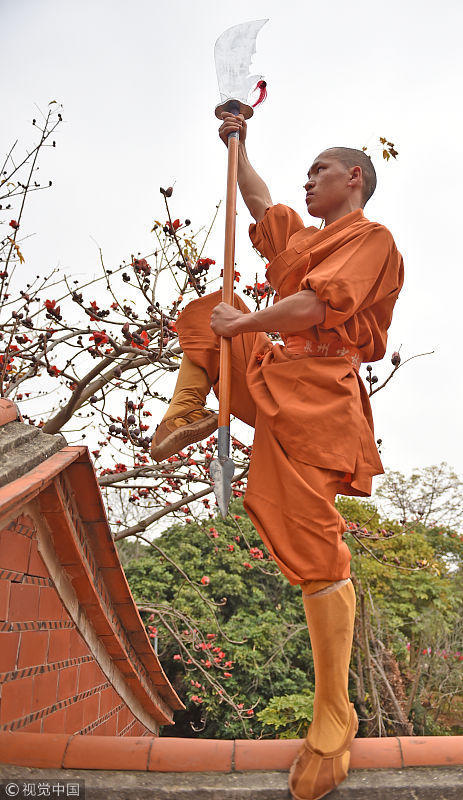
column 313, row 425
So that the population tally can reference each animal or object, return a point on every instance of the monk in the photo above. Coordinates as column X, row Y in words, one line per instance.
column 336, row 288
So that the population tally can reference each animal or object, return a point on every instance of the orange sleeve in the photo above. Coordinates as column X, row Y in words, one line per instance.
column 270, row 236
column 358, row 275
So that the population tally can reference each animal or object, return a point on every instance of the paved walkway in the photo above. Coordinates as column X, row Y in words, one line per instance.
column 420, row 783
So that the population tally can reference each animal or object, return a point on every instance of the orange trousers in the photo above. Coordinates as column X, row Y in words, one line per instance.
column 291, row 503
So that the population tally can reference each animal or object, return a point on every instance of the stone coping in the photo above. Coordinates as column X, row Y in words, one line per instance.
column 170, row 754
column 412, row 783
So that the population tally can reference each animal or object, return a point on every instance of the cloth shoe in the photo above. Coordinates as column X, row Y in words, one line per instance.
column 314, row 773
column 175, row 433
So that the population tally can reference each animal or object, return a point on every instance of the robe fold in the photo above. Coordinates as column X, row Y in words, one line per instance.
column 314, row 434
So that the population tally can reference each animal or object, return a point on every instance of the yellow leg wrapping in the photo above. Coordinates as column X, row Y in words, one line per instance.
column 330, row 619
column 190, row 394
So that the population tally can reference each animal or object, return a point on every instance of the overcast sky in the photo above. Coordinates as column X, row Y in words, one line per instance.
column 138, row 86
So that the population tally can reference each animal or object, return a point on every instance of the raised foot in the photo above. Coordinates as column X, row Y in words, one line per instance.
column 167, row 441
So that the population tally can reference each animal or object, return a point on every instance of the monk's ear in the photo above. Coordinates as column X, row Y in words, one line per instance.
column 355, row 176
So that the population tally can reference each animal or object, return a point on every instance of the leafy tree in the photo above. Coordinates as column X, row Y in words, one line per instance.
column 232, row 635
column 263, row 681
column 409, row 588
column 433, row 495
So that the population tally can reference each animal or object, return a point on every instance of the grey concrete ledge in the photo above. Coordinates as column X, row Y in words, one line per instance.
column 23, row 447
column 421, row 783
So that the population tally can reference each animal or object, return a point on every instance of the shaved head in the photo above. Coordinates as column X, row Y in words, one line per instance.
column 350, row 157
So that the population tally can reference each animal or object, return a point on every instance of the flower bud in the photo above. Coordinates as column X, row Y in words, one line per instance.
column 395, row 358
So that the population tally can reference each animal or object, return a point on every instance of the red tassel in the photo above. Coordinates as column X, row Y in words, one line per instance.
column 262, row 86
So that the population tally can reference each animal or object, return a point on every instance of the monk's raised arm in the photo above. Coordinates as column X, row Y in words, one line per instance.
column 254, row 190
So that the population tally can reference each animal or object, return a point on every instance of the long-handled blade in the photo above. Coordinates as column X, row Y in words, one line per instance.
column 233, row 53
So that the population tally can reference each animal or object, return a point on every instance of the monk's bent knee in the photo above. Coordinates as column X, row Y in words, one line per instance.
column 322, row 587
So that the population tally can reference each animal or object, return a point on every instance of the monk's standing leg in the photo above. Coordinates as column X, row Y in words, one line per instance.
column 324, row 758
column 293, row 508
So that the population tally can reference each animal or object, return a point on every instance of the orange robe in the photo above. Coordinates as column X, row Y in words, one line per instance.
column 313, row 424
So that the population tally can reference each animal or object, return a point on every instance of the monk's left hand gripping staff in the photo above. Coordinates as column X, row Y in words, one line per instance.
column 233, row 53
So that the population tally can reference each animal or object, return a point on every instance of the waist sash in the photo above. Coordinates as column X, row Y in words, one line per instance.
column 299, row 345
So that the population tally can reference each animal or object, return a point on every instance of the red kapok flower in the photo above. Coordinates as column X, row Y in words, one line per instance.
column 99, row 337
column 145, row 341
column 14, row 224
column 205, row 580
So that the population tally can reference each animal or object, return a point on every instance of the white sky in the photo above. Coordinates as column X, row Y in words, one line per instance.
column 137, row 81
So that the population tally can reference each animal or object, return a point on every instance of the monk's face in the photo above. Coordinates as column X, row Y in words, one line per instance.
column 328, row 187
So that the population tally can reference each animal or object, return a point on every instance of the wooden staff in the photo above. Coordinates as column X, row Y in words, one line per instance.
column 223, row 468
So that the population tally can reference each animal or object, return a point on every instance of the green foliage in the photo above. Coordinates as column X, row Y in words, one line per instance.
column 289, row 716
column 232, row 635
column 401, row 592
column 258, row 625
column 416, row 611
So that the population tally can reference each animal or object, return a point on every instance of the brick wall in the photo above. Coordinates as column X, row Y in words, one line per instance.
column 49, row 680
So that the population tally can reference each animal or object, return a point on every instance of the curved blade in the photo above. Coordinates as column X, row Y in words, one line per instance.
column 233, row 53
